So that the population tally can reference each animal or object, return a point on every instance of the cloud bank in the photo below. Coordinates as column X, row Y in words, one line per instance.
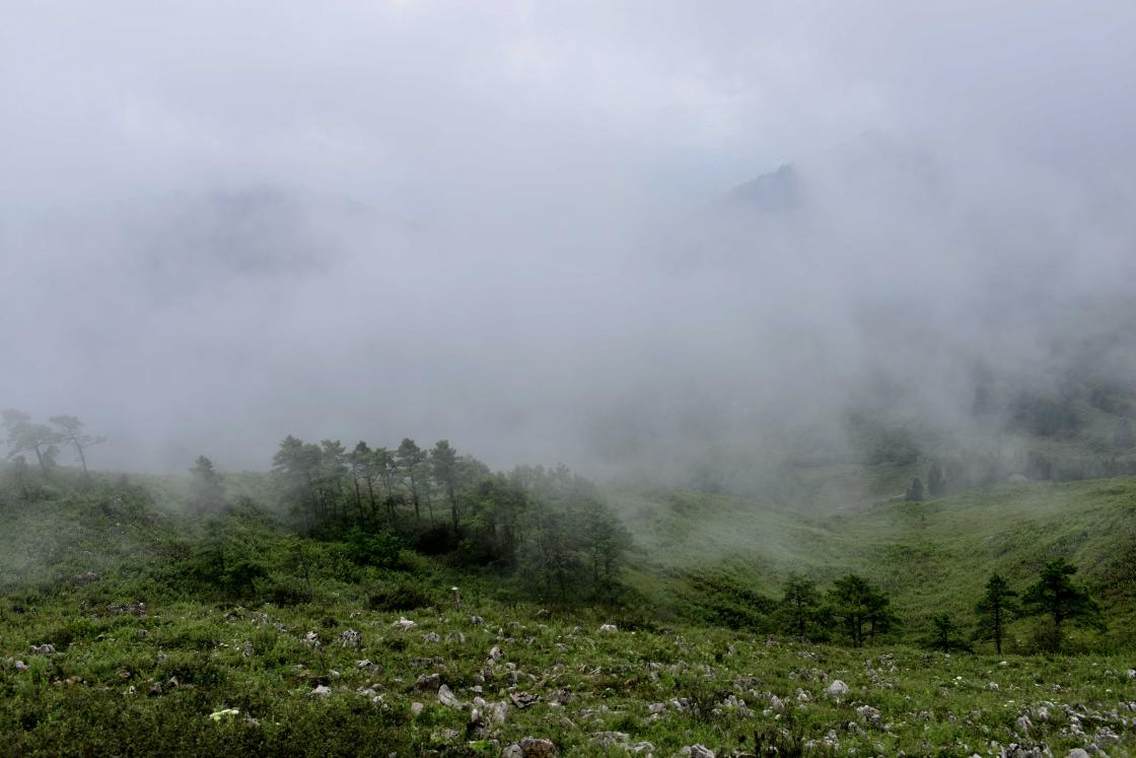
column 512, row 224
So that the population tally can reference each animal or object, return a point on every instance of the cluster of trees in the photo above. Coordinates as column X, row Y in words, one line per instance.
column 861, row 611
column 326, row 484
column 1054, row 596
column 549, row 527
column 23, row 436
column 960, row 473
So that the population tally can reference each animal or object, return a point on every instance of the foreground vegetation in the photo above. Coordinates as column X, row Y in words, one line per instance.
column 409, row 601
column 335, row 678
column 119, row 636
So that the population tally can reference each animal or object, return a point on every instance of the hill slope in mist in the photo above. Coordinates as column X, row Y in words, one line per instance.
column 114, row 638
column 932, row 556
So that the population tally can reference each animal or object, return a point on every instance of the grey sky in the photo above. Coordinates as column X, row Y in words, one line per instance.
column 502, row 223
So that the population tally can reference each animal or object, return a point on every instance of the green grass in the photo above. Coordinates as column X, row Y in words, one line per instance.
column 95, row 695
column 931, row 557
column 144, row 680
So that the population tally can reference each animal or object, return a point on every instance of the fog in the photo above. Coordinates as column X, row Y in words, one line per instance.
column 620, row 236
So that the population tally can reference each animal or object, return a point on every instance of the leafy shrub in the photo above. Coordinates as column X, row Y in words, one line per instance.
column 437, row 540
column 400, row 597
column 720, row 599
column 383, row 549
column 286, row 594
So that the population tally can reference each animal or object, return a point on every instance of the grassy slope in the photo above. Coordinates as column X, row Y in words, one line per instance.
column 94, row 694
column 931, row 556
column 97, row 694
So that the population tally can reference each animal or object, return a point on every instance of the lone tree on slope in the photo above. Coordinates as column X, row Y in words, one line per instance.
column 936, row 481
column 996, row 609
column 945, row 635
column 800, row 606
column 1057, row 596
column 206, row 491
column 861, row 609
column 70, row 431
column 24, row 436
column 915, row 491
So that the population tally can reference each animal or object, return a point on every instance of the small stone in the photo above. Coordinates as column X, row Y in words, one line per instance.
column 431, row 637
column 610, row 739
column 447, row 698
column 608, row 628
column 869, row 714
column 836, row 689
column 1077, row 753
column 321, row 690
column 697, row 751
column 428, row 682
column 534, row 747
column 641, row 747
column 350, row 639
column 497, row 712
column 403, row 624
column 476, row 620
column 444, row 735
column 416, row 709
column 523, row 700
column 45, row 649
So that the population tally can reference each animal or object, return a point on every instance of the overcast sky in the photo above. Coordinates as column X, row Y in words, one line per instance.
column 506, row 223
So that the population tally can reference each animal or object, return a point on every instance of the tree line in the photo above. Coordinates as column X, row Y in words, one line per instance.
column 24, row 437
column 548, row 527
column 861, row 612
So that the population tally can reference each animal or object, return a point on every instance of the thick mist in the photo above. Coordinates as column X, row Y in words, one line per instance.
column 625, row 238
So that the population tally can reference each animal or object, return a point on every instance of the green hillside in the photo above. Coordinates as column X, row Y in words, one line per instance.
column 119, row 637
column 931, row 556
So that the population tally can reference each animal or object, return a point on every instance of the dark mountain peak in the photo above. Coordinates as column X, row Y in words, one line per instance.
column 772, row 192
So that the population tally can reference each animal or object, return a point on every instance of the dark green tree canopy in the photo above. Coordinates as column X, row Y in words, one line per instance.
column 998, row 606
column 206, row 490
column 862, row 610
column 1057, row 596
column 800, row 606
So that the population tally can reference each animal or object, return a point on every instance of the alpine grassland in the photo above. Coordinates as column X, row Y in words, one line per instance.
column 129, row 627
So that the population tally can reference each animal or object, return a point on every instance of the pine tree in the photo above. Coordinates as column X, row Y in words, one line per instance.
column 1055, row 595
column 915, row 491
column 207, row 493
column 936, row 482
column 861, row 609
column 946, row 636
column 800, row 605
column 444, row 466
column 996, row 609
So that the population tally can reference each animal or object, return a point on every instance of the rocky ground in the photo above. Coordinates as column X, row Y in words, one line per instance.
column 189, row 678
